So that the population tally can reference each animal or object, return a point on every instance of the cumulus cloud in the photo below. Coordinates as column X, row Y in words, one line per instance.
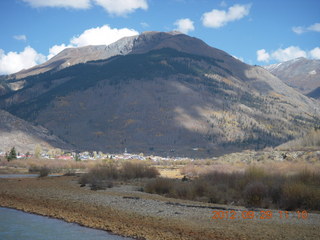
column 20, row 37
column 122, row 7
column 144, row 24
column 286, row 54
column 94, row 36
column 78, row 4
column 57, row 49
column 219, row 18
column 13, row 62
column 101, row 35
column 263, row 56
column 114, row 7
column 315, row 53
column 312, row 28
column 184, row 25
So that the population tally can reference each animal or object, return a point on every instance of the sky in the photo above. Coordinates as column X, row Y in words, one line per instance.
column 258, row 32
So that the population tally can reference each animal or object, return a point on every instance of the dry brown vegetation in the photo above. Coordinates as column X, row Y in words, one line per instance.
column 103, row 176
column 56, row 166
column 310, row 140
column 286, row 184
column 255, row 187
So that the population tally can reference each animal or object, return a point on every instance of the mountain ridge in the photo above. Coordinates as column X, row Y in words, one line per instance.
column 174, row 96
column 300, row 73
column 142, row 43
column 25, row 137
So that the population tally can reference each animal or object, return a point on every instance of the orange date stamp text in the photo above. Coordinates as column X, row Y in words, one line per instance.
column 263, row 214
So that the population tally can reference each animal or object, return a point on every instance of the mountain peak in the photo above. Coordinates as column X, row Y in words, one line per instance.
column 300, row 73
column 145, row 42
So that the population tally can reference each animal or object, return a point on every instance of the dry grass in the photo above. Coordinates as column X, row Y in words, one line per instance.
column 170, row 173
column 254, row 187
column 103, row 176
column 55, row 165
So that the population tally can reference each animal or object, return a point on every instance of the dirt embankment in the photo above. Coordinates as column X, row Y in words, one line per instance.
column 124, row 211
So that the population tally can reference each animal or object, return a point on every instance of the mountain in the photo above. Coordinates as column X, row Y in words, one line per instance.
column 15, row 132
column 300, row 73
column 161, row 93
column 128, row 45
column 315, row 93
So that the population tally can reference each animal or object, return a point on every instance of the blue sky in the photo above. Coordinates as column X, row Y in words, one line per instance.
column 255, row 31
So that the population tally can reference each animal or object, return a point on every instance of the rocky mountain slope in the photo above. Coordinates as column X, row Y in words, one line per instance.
column 15, row 132
column 301, row 73
column 161, row 93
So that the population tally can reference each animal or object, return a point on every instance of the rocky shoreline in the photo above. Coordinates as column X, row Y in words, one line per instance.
column 125, row 211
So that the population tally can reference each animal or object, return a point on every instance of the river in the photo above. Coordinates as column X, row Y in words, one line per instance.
column 18, row 225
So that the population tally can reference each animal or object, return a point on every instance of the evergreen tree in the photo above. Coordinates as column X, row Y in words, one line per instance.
column 12, row 154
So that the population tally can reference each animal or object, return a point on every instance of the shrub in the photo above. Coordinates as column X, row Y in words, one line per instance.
column 254, row 188
column 160, row 186
column 254, row 173
column 199, row 188
column 34, row 168
column 103, row 175
column 254, row 193
column 131, row 170
column 44, row 171
column 300, row 196
column 182, row 190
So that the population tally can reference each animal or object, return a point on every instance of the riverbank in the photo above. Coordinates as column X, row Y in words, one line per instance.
column 125, row 211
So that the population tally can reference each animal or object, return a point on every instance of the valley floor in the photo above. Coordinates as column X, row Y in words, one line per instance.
column 125, row 211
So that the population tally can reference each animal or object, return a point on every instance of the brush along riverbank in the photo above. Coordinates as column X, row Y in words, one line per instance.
column 125, row 211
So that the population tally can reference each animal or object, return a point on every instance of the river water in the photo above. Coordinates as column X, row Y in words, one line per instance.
column 19, row 175
column 24, row 176
column 18, row 225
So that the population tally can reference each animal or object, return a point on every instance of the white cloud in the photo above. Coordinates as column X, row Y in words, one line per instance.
column 298, row 30
column 101, row 35
column 239, row 58
column 315, row 53
column 184, row 25
column 144, row 25
column 79, row 4
column 13, row 62
column 114, row 7
column 122, row 7
column 263, row 56
column 315, row 27
column 20, row 37
column 312, row 28
column 219, row 18
column 223, row 4
column 57, row 49
column 286, row 54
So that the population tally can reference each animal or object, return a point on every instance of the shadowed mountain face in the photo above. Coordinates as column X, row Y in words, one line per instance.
column 300, row 73
column 15, row 132
column 315, row 93
column 170, row 94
